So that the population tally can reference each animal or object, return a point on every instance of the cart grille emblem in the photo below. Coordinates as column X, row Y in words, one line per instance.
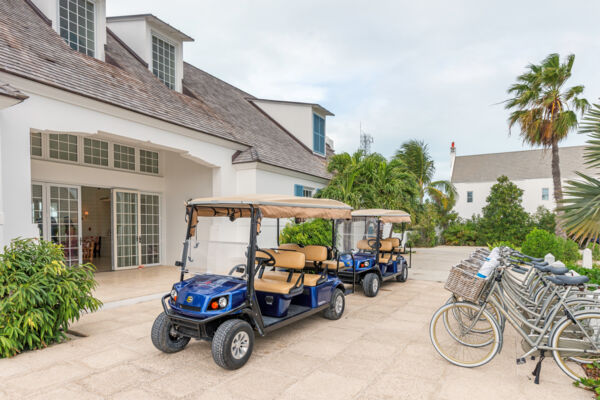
column 189, row 299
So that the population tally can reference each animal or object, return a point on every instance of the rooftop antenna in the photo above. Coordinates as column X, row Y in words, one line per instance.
column 365, row 140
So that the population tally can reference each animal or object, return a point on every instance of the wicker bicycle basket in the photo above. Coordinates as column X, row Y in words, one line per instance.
column 463, row 282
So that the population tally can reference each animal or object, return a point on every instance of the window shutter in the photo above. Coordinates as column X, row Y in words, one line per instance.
column 298, row 190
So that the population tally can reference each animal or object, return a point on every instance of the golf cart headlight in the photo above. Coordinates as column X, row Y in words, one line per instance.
column 223, row 302
column 174, row 294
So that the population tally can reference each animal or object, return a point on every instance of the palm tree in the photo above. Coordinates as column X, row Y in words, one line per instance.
column 344, row 186
column 545, row 111
column 414, row 154
column 581, row 206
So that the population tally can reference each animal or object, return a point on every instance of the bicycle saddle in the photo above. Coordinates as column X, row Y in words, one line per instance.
column 540, row 264
column 568, row 280
column 553, row 270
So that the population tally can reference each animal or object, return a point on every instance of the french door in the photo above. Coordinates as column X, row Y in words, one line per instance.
column 136, row 219
column 56, row 209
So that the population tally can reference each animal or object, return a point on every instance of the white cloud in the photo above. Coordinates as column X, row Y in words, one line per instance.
column 433, row 70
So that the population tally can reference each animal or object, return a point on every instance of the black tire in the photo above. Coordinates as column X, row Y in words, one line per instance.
column 371, row 284
column 162, row 337
column 403, row 277
column 335, row 310
column 222, row 344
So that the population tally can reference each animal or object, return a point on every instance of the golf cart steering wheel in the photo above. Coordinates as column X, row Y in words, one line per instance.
column 239, row 268
column 373, row 244
column 268, row 261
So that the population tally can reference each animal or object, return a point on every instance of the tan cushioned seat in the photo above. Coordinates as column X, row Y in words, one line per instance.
column 384, row 259
column 273, row 286
column 395, row 242
column 285, row 259
column 330, row 265
column 364, row 245
column 311, row 252
column 309, row 279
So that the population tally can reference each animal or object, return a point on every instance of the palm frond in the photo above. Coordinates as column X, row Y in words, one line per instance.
column 581, row 207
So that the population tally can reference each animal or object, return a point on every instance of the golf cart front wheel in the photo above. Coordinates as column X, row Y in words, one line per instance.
column 164, row 336
column 403, row 276
column 371, row 284
column 336, row 305
column 232, row 344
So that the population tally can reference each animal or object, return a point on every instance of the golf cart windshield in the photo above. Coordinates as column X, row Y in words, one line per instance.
column 359, row 228
column 220, row 229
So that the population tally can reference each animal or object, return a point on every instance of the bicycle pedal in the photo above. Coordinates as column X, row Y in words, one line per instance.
column 521, row 361
column 532, row 358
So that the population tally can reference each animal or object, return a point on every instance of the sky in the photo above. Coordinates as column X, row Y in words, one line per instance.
column 436, row 71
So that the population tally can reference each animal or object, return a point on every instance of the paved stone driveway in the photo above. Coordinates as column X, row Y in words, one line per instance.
column 380, row 349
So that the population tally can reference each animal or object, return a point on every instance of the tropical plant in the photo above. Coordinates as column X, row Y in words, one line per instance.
column 545, row 111
column 313, row 232
column 463, row 233
column 39, row 295
column 414, row 154
column 504, row 218
column 346, row 185
column 581, row 206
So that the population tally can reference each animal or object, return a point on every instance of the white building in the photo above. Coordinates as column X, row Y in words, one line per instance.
column 474, row 175
column 105, row 131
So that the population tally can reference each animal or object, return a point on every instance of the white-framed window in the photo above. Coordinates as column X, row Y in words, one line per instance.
column 469, row 197
column 63, row 146
column 37, row 207
column 36, row 143
column 88, row 151
column 148, row 161
column 303, row 191
column 95, row 152
column 545, row 193
column 163, row 61
column 124, row 157
column 76, row 24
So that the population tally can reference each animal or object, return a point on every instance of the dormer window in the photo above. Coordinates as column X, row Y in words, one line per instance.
column 163, row 61
column 318, row 134
column 76, row 24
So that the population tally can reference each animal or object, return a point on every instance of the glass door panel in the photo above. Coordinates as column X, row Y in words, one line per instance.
column 149, row 229
column 126, row 229
column 37, row 207
column 64, row 223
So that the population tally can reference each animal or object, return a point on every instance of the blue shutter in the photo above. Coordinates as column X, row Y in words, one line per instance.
column 318, row 134
column 298, row 190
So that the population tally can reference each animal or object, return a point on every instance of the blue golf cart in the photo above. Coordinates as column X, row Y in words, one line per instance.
column 270, row 289
column 375, row 259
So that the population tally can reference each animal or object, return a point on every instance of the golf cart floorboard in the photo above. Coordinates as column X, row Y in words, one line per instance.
column 390, row 276
column 293, row 310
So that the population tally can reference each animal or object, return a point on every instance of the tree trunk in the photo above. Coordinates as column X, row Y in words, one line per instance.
column 557, row 188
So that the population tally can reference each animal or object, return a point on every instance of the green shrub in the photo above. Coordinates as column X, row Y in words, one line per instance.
column 593, row 273
column 314, row 232
column 39, row 295
column 462, row 233
column 539, row 242
column 544, row 219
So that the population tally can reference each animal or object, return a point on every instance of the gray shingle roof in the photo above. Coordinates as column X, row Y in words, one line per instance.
column 518, row 165
column 30, row 48
column 272, row 144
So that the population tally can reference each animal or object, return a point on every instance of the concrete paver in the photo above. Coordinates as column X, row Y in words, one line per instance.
column 379, row 349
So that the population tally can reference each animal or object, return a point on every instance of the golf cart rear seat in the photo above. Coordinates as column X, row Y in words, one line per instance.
column 312, row 254
column 395, row 248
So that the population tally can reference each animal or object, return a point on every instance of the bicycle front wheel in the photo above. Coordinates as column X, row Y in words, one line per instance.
column 464, row 334
column 577, row 343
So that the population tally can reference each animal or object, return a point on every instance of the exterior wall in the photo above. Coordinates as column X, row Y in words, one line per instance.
column 191, row 167
column 50, row 10
column 532, row 195
column 137, row 34
column 296, row 118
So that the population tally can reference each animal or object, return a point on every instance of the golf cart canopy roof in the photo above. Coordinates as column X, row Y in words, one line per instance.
column 271, row 206
column 385, row 216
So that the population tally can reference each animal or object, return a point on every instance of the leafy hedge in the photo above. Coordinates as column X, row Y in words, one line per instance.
column 593, row 273
column 39, row 295
column 314, row 232
column 539, row 242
